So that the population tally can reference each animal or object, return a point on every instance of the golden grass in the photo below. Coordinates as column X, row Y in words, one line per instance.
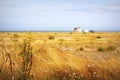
column 62, row 58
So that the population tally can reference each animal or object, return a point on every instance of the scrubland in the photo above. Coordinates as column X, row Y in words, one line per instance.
column 59, row 56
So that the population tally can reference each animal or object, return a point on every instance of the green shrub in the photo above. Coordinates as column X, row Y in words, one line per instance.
column 51, row 37
column 111, row 48
column 101, row 49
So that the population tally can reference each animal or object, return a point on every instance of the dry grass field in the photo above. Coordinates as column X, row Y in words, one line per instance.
column 59, row 56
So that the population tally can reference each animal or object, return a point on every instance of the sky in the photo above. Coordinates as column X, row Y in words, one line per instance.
column 59, row 15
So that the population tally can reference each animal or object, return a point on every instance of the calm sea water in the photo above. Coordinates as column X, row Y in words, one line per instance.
column 54, row 31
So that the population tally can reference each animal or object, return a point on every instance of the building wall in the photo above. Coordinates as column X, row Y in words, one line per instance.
column 86, row 31
column 77, row 30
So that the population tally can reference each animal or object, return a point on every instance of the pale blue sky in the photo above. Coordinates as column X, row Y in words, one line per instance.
column 51, row 15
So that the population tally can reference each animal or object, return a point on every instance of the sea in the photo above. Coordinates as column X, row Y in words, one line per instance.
column 55, row 31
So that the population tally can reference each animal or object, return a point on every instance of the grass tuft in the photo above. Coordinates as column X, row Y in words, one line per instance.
column 101, row 49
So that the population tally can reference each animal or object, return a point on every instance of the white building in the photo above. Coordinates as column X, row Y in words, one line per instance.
column 85, row 31
column 78, row 29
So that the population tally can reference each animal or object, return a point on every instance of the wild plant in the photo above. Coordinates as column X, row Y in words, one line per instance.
column 14, row 39
column 51, row 37
column 26, row 55
column 81, row 49
column 92, row 69
column 8, row 57
column 5, row 58
column 111, row 48
column 101, row 49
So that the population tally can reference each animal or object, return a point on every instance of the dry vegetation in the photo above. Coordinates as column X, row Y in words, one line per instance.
column 59, row 56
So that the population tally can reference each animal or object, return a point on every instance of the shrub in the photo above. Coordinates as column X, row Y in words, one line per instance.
column 51, row 37
column 55, row 33
column 101, row 49
column 98, row 37
column 111, row 48
column 15, row 35
column 81, row 48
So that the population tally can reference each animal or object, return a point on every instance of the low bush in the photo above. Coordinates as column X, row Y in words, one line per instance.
column 81, row 48
column 101, row 49
column 111, row 48
column 51, row 37
column 55, row 33
column 98, row 37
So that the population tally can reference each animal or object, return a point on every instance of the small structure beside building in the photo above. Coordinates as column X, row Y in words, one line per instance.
column 85, row 31
column 92, row 31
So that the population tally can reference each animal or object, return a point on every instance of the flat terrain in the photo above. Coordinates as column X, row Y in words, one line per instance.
column 60, row 55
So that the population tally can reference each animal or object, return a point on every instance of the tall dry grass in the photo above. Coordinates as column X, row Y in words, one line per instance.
column 66, row 56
